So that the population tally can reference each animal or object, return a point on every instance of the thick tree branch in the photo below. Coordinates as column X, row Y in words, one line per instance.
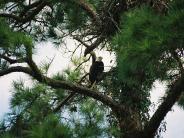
column 82, row 90
column 74, row 88
column 12, row 16
column 89, row 9
column 37, row 73
column 16, row 69
column 174, row 93
column 13, row 61
column 94, row 45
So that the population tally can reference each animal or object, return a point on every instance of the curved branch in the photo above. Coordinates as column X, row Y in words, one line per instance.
column 35, row 12
column 13, row 61
column 16, row 69
column 94, row 45
column 82, row 90
column 174, row 93
column 74, row 88
column 12, row 16
column 29, row 17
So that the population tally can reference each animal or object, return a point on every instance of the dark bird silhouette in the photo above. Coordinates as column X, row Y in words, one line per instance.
column 96, row 70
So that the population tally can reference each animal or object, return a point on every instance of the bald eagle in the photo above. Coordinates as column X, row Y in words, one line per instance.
column 96, row 69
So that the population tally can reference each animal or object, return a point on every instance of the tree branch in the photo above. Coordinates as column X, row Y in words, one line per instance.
column 82, row 90
column 15, row 17
column 29, row 7
column 94, row 45
column 34, row 72
column 35, row 12
column 62, row 103
column 29, row 17
column 13, row 61
column 69, row 97
column 173, row 94
column 78, row 39
column 16, row 69
column 89, row 9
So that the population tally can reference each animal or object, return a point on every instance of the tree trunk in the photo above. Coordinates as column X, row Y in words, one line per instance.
column 129, row 124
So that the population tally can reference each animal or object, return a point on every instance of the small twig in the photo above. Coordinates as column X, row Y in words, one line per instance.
column 62, row 103
column 114, row 22
column 82, row 42
column 82, row 63
column 80, row 81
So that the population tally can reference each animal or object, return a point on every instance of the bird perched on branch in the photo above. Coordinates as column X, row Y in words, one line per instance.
column 96, row 69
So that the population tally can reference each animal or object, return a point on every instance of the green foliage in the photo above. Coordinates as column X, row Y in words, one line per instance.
column 50, row 128
column 6, row 135
column 145, row 45
column 75, row 16
column 95, row 3
column 31, row 115
column 72, row 74
column 57, row 16
column 14, row 43
column 32, row 104
column 137, row 45
column 90, row 120
column 68, row 75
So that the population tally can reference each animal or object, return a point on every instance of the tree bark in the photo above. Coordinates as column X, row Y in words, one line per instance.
column 173, row 95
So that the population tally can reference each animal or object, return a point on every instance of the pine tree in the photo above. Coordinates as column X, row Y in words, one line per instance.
column 147, row 39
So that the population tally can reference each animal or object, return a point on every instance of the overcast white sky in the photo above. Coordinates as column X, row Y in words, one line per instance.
column 174, row 118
